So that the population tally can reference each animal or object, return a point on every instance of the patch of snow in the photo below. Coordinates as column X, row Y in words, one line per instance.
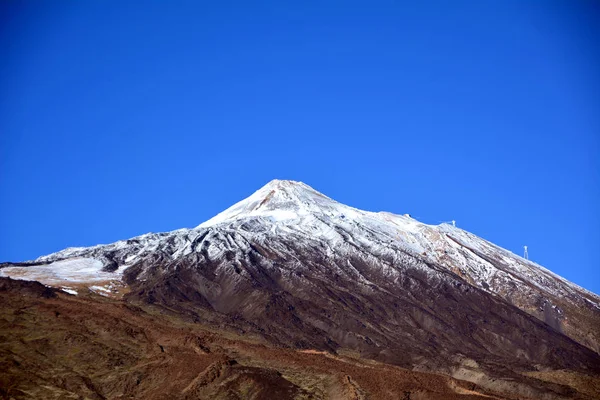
column 69, row 290
column 74, row 270
column 101, row 290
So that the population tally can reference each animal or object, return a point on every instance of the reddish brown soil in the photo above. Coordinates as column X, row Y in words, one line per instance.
column 57, row 346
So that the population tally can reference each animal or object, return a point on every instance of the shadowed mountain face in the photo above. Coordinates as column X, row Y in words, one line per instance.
column 299, row 270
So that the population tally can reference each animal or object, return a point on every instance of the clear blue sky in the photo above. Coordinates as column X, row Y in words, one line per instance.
column 120, row 118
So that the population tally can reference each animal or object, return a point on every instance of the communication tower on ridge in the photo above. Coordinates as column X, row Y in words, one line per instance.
column 526, row 255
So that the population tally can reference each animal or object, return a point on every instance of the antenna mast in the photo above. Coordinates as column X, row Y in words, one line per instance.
column 454, row 223
column 526, row 255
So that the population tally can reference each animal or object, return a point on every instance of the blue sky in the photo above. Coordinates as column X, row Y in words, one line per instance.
column 120, row 118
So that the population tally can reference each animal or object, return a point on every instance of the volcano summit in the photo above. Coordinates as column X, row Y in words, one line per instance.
column 298, row 272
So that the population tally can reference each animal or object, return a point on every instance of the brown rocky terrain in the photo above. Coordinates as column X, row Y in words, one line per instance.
column 58, row 346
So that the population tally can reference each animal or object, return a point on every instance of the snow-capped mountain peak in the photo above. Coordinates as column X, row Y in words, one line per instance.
column 300, row 228
column 277, row 200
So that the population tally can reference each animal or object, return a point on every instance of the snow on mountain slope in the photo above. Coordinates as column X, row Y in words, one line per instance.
column 75, row 269
column 294, row 206
column 293, row 210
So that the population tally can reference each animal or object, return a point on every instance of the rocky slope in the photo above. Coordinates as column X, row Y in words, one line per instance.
column 57, row 346
column 294, row 267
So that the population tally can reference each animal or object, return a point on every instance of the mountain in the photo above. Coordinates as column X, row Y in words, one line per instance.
column 299, row 270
